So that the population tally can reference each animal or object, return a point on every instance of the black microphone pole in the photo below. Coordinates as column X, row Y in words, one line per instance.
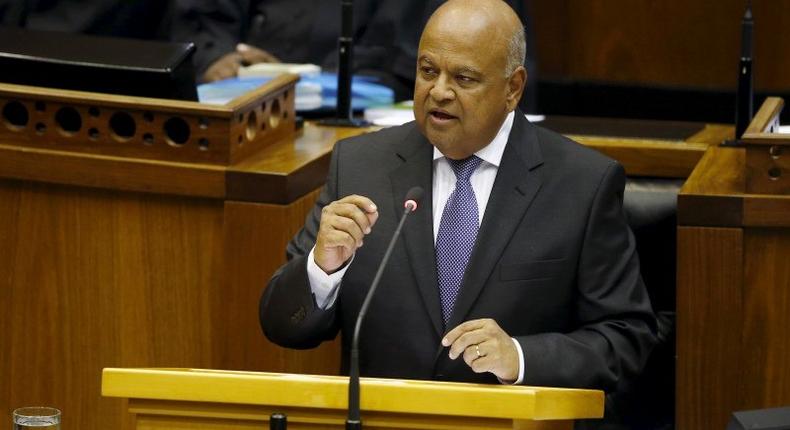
column 344, row 115
column 744, row 97
column 744, row 108
column 354, row 422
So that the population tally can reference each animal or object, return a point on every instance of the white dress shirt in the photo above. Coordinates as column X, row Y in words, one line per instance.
column 325, row 287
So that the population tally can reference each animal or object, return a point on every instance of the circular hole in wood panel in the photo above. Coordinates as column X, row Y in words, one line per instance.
column 252, row 125
column 93, row 133
column 41, row 128
column 148, row 139
column 203, row 144
column 93, row 111
column 69, row 121
column 177, row 131
column 775, row 151
column 148, row 116
column 203, row 123
column 276, row 114
column 15, row 115
column 775, row 173
column 41, row 106
column 123, row 126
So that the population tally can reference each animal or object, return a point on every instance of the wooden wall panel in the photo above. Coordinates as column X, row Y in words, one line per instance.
column 766, row 324
column 256, row 237
column 672, row 43
column 94, row 279
column 709, row 319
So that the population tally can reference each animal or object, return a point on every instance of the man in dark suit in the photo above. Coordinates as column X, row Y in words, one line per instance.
column 517, row 268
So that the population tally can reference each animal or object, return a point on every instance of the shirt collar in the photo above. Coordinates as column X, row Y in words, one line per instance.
column 491, row 153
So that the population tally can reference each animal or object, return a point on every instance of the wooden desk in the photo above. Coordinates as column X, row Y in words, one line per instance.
column 114, row 256
column 733, row 297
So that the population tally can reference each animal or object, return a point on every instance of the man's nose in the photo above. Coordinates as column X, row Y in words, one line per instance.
column 442, row 90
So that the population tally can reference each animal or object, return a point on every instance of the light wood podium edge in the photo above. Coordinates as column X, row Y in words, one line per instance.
column 329, row 392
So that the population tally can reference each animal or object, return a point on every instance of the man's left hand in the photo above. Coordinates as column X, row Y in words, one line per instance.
column 485, row 347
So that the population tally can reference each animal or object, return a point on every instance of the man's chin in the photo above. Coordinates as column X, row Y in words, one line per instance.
column 441, row 142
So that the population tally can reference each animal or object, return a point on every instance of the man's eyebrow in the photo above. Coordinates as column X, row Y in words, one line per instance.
column 425, row 59
column 467, row 69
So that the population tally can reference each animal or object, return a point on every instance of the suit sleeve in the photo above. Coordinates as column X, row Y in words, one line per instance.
column 288, row 312
column 214, row 26
column 617, row 326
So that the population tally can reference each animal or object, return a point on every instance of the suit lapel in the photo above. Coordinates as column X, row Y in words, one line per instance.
column 417, row 170
column 518, row 181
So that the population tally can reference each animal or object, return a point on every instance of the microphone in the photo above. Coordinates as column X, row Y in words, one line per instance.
column 353, row 421
column 744, row 96
column 345, row 61
column 744, row 107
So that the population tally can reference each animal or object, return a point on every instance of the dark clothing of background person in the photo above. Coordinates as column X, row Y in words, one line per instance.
column 140, row 19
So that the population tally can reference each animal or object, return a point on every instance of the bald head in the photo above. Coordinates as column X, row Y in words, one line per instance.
column 467, row 79
column 467, row 18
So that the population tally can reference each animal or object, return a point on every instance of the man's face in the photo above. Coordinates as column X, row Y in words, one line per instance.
column 461, row 95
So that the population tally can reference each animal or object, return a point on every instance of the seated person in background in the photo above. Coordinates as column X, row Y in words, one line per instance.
column 140, row 19
column 519, row 267
column 232, row 33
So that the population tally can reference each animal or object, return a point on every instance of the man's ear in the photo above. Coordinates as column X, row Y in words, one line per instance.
column 515, row 87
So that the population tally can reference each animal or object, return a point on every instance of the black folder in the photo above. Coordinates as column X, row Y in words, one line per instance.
column 99, row 64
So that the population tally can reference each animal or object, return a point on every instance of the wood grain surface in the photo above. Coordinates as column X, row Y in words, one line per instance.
column 766, row 306
column 101, row 278
column 662, row 43
column 709, row 321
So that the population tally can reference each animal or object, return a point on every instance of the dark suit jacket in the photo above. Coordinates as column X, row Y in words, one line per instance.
column 554, row 265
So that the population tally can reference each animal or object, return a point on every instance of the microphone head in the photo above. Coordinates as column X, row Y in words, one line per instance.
column 413, row 198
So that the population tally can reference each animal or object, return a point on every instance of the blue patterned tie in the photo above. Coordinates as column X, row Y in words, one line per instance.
column 457, row 234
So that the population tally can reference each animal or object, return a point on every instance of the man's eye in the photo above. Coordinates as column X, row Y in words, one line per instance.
column 428, row 70
column 464, row 78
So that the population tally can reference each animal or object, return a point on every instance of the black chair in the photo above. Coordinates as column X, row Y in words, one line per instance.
column 650, row 205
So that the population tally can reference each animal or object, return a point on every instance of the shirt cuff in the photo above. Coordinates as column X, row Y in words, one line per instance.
column 323, row 285
column 520, row 364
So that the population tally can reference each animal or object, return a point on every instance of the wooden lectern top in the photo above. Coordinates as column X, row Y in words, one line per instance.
column 426, row 399
column 742, row 187
column 246, row 150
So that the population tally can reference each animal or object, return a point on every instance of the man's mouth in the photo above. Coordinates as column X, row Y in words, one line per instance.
column 441, row 116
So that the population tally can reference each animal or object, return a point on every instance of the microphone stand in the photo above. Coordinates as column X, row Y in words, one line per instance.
column 744, row 97
column 353, row 421
column 344, row 115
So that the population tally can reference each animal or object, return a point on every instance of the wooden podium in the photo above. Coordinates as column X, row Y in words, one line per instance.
column 733, row 298
column 211, row 399
column 141, row 232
